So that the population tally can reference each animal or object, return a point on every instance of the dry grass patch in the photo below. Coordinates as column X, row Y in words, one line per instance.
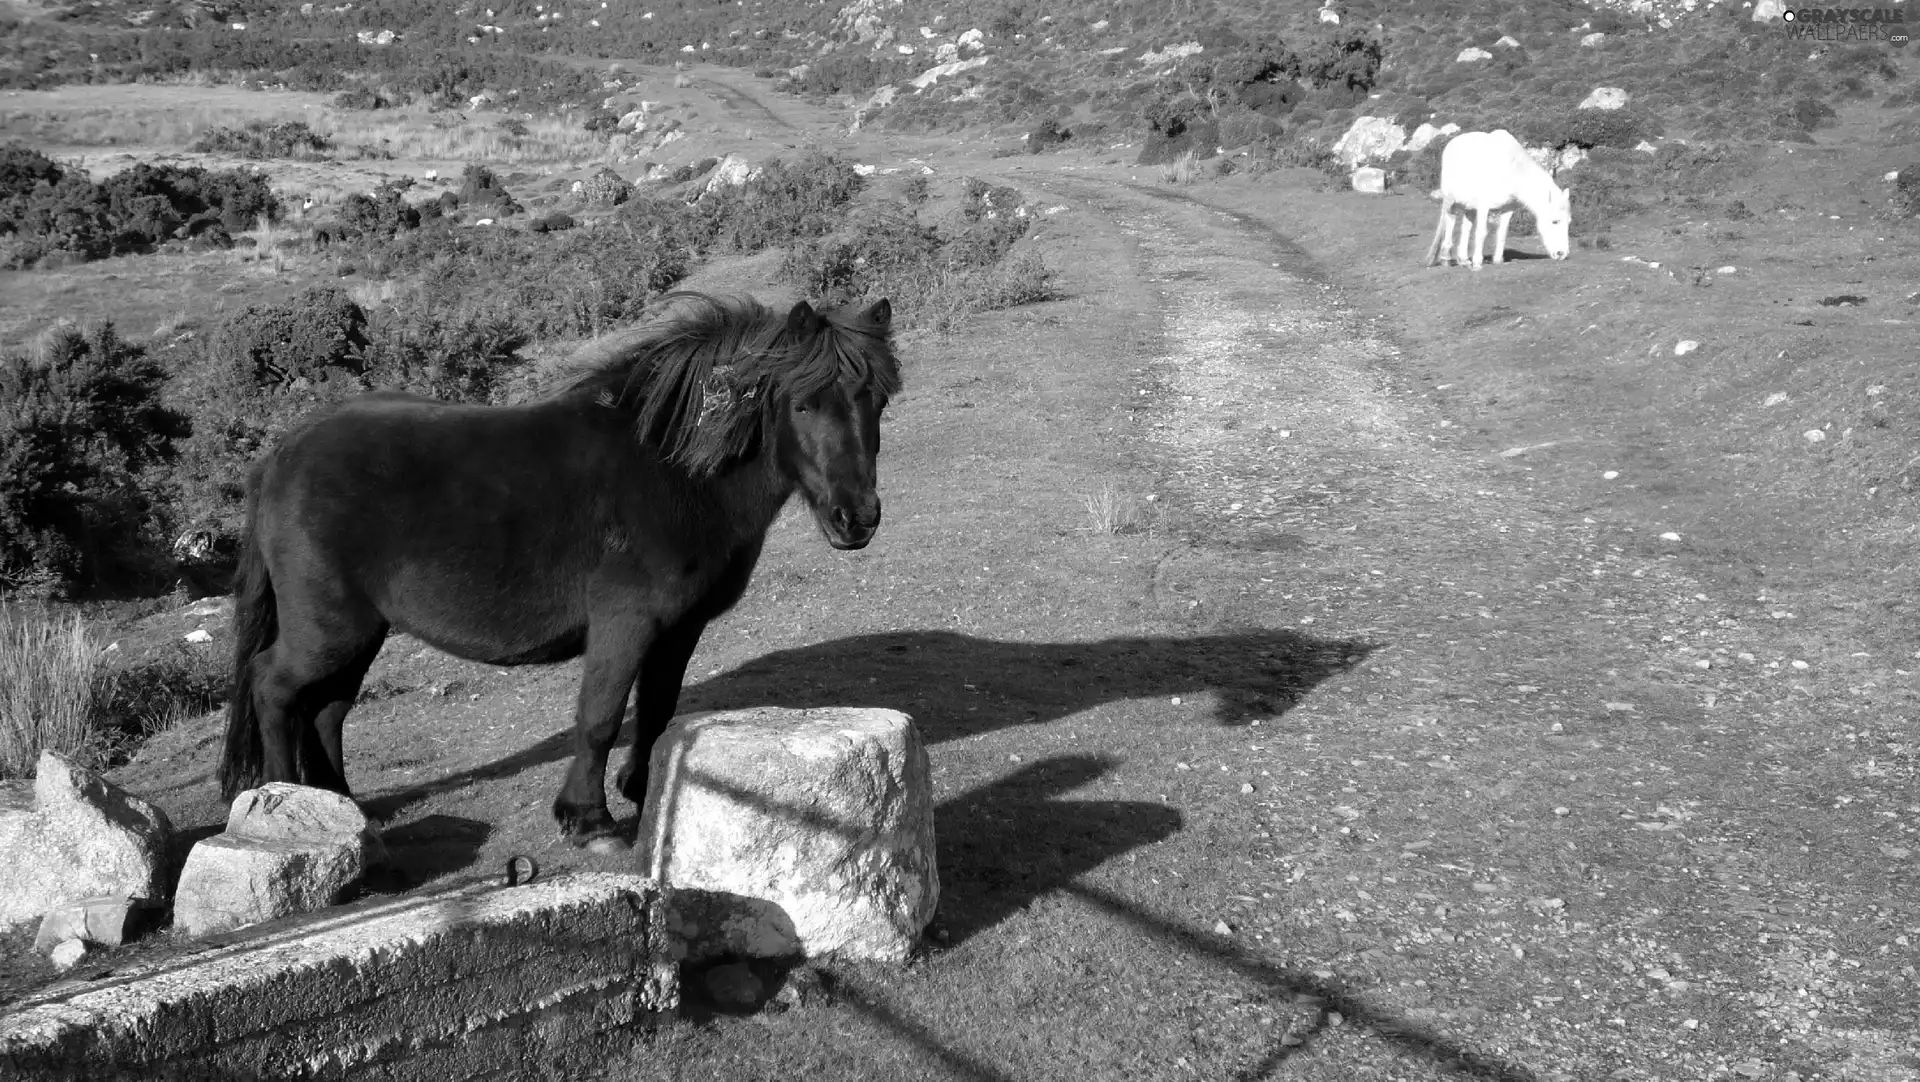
column 1112, row 511
column 53, row 683
column 416, row 134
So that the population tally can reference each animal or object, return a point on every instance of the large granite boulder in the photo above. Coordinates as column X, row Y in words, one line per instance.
column 787, row 833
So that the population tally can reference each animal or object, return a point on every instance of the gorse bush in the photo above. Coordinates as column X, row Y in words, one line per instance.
column 383, row 213
column 936, row 276
column 318, row 335
column 49, row 209
column 786, row 201
column 264, row 139
column 81, row 423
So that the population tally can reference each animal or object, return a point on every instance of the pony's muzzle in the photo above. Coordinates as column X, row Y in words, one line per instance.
column 852, row 527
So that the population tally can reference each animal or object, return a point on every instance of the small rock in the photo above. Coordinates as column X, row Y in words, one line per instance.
column 1370, row 180
column 1800, row 665
column 1619, row 708
column 67, row 955
column 199, row 635
column 1605, row 98
column 1592, row 40
column 1610, row 475
column 103, row 921
column 803, row 987
column 1681, row 349
column 1669, row 536
column 287, row 849
column 733, row 985
column 1728, row 269
column 1221, row 927
column 1471, row 54
column 1246, row 788
column 1814, row 435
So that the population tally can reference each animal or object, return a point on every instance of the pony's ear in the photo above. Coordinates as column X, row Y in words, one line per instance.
column 803, row 321
column 881, row 314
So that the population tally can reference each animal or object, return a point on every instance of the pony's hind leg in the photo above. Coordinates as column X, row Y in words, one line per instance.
column 304, row 684
column 322, row 762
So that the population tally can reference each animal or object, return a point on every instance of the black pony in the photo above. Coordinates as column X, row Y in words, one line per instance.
column 614, row 519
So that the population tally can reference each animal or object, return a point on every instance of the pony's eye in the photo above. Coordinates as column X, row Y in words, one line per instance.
column 799, row 407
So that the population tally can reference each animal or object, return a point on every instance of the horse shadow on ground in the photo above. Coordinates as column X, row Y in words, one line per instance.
column 956, row 686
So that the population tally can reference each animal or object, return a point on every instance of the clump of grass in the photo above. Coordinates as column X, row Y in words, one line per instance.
column 1182, row 169
column 60, row 691
column 1113, row 511
column 53, row 683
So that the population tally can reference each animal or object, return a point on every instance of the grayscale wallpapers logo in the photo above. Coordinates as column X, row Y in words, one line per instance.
column 1848, row 24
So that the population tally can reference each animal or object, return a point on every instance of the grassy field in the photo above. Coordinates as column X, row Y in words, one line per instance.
column 1334, row 668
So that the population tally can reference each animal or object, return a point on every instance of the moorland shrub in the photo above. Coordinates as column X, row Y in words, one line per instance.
column 83, row 424
column 482, row 190
column 935, row 275
column 262, row 139
column 787, row 201
column 1046, row 135
column 362, row 96
column 46, row 209
column 385, row 212
column 319, row 335
column 851, row 73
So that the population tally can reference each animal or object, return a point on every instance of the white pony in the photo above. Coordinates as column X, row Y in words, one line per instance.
column 1490, row 172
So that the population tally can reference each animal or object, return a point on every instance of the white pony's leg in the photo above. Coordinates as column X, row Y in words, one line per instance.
column 1437, row 251
column 1500, row 237
column 1479, row 236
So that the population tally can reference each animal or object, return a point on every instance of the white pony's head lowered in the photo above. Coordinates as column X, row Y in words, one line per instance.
column 1553, row 219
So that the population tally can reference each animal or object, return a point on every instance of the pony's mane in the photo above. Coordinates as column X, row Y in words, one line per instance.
column 704, row 379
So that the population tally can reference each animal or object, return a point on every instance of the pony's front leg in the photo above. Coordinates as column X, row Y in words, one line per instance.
column 1500, row 237
column 614, row 649
column 1479, row 238
column 662, row 674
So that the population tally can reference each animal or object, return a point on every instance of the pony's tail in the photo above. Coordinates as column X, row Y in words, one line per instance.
column 255, row 624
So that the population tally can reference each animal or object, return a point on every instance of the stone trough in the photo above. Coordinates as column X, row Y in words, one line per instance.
column 467, row 982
